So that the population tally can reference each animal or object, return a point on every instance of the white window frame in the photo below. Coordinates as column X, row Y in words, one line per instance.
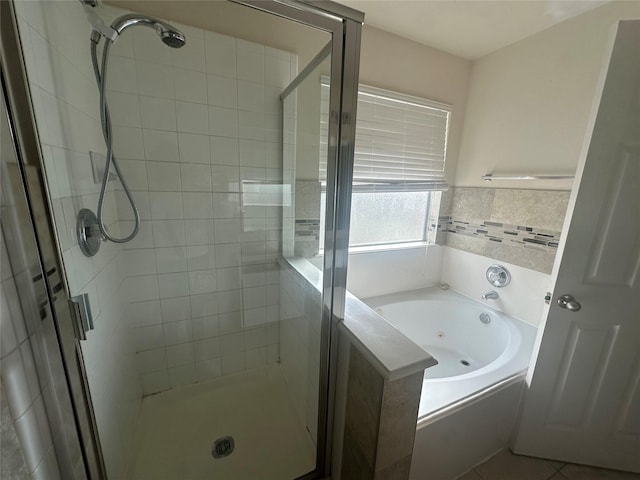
column 429, row 178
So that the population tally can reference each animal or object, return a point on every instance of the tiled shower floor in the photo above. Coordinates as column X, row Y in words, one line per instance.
column 177, row 429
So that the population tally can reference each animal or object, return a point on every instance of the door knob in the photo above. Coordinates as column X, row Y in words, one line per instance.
column 569, row 303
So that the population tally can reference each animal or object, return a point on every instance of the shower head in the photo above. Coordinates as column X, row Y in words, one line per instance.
column 170, row 35
column 172, row 38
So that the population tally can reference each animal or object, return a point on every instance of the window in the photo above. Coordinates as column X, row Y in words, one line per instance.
column 399, row 166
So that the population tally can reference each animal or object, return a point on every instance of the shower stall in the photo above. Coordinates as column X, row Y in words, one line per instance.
column 181, row 186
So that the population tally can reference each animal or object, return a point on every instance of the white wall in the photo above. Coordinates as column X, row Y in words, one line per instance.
column 529, row 102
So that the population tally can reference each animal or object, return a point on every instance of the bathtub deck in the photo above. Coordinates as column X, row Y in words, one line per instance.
column 451, row 381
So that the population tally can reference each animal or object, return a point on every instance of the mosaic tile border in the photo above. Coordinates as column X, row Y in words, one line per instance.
column 307, row 227
column 514, row 235
column 306, row 237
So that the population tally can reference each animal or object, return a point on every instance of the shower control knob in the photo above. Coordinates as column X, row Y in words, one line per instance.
column 498, row 276
column 569, row 303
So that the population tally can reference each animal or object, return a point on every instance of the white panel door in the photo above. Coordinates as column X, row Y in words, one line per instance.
column 583, row 400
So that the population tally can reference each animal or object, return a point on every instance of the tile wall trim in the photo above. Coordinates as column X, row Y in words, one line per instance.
column 518, row 226
column 515, row 235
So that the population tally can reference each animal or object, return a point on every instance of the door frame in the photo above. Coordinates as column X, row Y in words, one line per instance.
column 345, row 26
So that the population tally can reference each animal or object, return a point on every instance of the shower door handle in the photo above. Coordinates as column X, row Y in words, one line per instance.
column 569, row 303
column 81, row 313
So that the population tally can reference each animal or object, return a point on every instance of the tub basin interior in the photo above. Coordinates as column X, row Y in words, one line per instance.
column 461, row 336
column 475, row 346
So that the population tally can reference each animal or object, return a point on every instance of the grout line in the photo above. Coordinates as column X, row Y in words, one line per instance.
column 557, row 472
column 478, row 474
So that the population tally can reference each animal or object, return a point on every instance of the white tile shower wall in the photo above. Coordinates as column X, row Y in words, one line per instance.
column 55, row 42
column 194, row 126
column 21, row 390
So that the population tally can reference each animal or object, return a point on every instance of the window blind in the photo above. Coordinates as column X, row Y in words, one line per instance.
column 401, row 141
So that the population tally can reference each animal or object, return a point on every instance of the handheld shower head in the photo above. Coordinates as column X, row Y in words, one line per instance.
column 170, row 35
column 173, row 38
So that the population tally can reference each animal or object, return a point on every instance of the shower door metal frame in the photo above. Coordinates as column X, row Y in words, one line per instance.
column 345, row 26
column 73, row 400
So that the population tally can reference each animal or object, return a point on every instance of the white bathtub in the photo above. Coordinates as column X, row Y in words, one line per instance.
column 473, row 354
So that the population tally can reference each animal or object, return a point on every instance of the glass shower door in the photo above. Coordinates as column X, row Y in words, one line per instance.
column 212, row 347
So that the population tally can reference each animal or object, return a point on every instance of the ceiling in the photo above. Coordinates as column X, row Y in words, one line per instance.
column 468, row 28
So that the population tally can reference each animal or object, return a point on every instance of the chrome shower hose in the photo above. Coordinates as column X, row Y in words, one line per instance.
column 105, row 120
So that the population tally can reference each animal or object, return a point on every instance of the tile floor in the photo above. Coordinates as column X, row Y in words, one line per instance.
column 507, row 466
column 177, row 429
